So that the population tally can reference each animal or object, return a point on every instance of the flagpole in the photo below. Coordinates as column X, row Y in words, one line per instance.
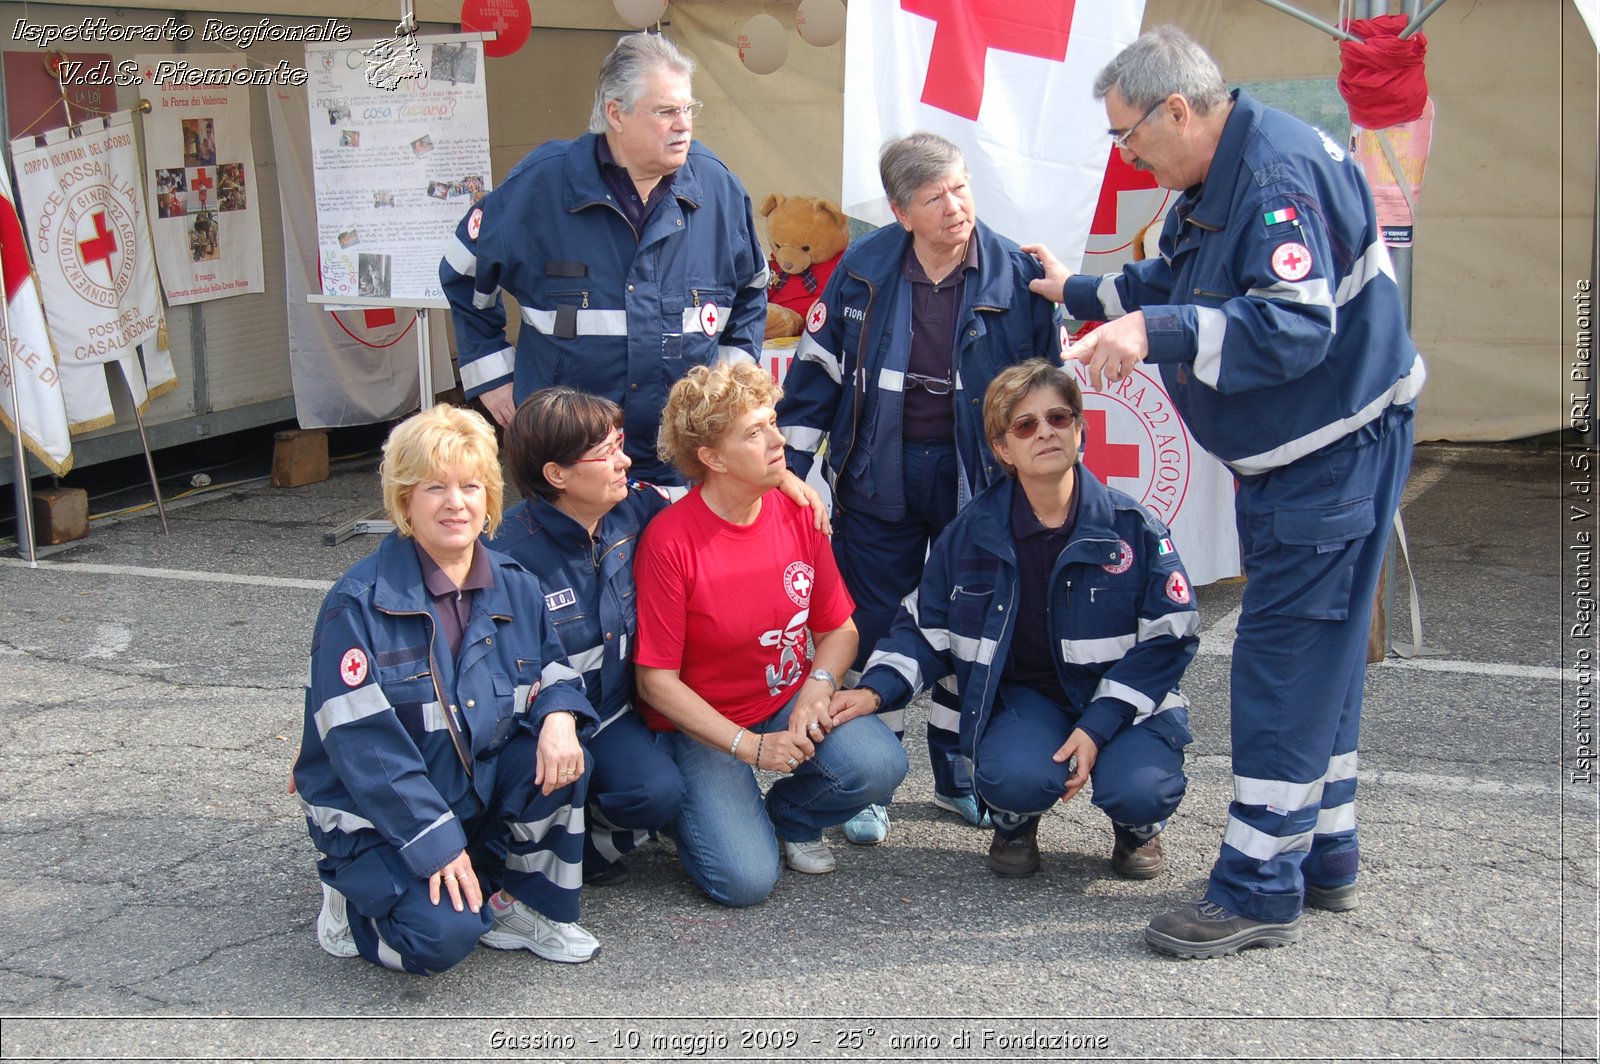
column 26, row 546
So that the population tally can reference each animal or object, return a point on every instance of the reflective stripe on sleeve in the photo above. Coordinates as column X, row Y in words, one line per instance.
column 1210, row 325
column 490, row 367
column 349, row 707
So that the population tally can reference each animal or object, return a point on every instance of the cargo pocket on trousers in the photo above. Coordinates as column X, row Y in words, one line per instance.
column 1321, row 543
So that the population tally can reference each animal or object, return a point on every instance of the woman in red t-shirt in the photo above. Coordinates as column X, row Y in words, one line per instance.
column 732, row 579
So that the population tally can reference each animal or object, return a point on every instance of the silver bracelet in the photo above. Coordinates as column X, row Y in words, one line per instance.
column 738, row 737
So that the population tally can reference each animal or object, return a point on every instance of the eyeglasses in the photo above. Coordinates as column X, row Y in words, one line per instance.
column 931, row 385
column 1121, row 139
column 688, row 110
column 608, row 452
column 1059, row 419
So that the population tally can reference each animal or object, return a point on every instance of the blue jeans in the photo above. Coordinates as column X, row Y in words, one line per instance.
column 728, row 838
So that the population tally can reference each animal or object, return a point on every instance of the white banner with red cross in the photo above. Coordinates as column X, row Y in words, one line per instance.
column 1134, row 440
column 1011, row 83
column 83, row 209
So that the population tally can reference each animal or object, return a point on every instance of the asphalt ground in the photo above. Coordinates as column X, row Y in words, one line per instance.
column 157, row 897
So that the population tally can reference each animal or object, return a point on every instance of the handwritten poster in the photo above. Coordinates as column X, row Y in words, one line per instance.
column 204, row 204
column 397, row 164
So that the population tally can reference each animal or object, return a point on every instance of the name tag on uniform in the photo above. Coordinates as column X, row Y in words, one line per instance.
column 564, row 597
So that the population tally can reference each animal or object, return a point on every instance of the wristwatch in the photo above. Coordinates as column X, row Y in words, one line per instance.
column 825, row 676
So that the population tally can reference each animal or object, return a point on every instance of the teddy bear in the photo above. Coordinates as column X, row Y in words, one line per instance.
column 807, row 235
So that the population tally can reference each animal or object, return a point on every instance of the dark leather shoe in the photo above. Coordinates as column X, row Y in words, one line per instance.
column 1205, row 930
column 1016, row 857
column 1332, row 899
column 1132, row 859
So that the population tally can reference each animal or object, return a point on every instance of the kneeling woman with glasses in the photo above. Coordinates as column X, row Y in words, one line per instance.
column 1062, row 610
column 733, row 579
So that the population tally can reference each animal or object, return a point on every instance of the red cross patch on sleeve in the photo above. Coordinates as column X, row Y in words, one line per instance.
column 1178, row 589
column 353, row 667
column 816, row 317
column 474, row 222
column 1291, row 260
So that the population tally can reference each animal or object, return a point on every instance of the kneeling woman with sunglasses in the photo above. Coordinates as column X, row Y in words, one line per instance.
column 1062, row 610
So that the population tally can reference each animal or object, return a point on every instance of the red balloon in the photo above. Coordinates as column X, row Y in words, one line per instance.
column 511, row 20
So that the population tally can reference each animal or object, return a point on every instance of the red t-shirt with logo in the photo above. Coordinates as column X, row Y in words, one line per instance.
column 729, row 606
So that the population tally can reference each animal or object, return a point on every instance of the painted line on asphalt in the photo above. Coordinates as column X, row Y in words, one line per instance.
column 190, row 575
column 1217, row 641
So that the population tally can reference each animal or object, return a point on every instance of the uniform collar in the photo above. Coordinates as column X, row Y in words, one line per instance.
column 479, row 575
column 1213, row 201
column 879, row 256
column 399, row 587
column 585, row 186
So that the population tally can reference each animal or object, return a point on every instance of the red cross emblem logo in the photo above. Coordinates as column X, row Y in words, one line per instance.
column 967, row 30
column 1178, row 589
column 101, row 246
column 353, row 667
column 474, row 222
column 816, row 317
column 710, row 319
column 797, row 581
column 200, row 180
column 1291, row 261
column 1124, row 560
column 1104, row 458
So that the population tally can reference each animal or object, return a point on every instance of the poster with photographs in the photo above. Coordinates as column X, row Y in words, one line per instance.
column 395, row 168
column 204, row 207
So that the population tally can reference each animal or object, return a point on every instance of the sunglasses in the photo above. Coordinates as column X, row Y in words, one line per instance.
column 1060, row 419
column 608, row 451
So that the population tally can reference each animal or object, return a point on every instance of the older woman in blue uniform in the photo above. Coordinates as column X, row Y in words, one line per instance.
column 1061, row 609
column 440, row 757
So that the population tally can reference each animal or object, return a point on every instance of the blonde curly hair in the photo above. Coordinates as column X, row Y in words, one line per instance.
column 703, row 406
column 436, row 441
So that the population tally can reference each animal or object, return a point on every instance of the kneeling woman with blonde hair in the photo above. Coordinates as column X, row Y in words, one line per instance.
column 440, row 757
column 732, row 579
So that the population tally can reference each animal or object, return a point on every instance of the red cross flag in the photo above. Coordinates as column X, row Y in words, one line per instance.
column 28, row 356
column 1009, row 82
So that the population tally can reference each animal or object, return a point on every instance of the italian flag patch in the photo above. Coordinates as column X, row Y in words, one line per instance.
column 1279, row 217
column 1164, row 546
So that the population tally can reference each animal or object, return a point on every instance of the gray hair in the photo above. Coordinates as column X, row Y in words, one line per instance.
column 1161, row 62
column 907, row 164
column 624, row 71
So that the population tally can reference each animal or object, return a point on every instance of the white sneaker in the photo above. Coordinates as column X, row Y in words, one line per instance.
column 813, row 858
column 333, row 925
column 519, row 927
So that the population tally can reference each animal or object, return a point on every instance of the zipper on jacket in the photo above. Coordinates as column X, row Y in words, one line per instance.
column 859, row 377
column 695, row 294
column 585, row 303
column 450, row 723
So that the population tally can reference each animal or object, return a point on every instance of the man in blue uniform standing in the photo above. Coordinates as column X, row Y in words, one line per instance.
column 631, row 251
column 1274, row 317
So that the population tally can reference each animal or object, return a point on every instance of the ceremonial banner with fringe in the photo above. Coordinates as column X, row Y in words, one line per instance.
column 82, row 201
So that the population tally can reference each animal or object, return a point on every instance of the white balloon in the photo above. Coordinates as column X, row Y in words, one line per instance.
column 820, row 22
column 763, row 44
column 640, row 13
